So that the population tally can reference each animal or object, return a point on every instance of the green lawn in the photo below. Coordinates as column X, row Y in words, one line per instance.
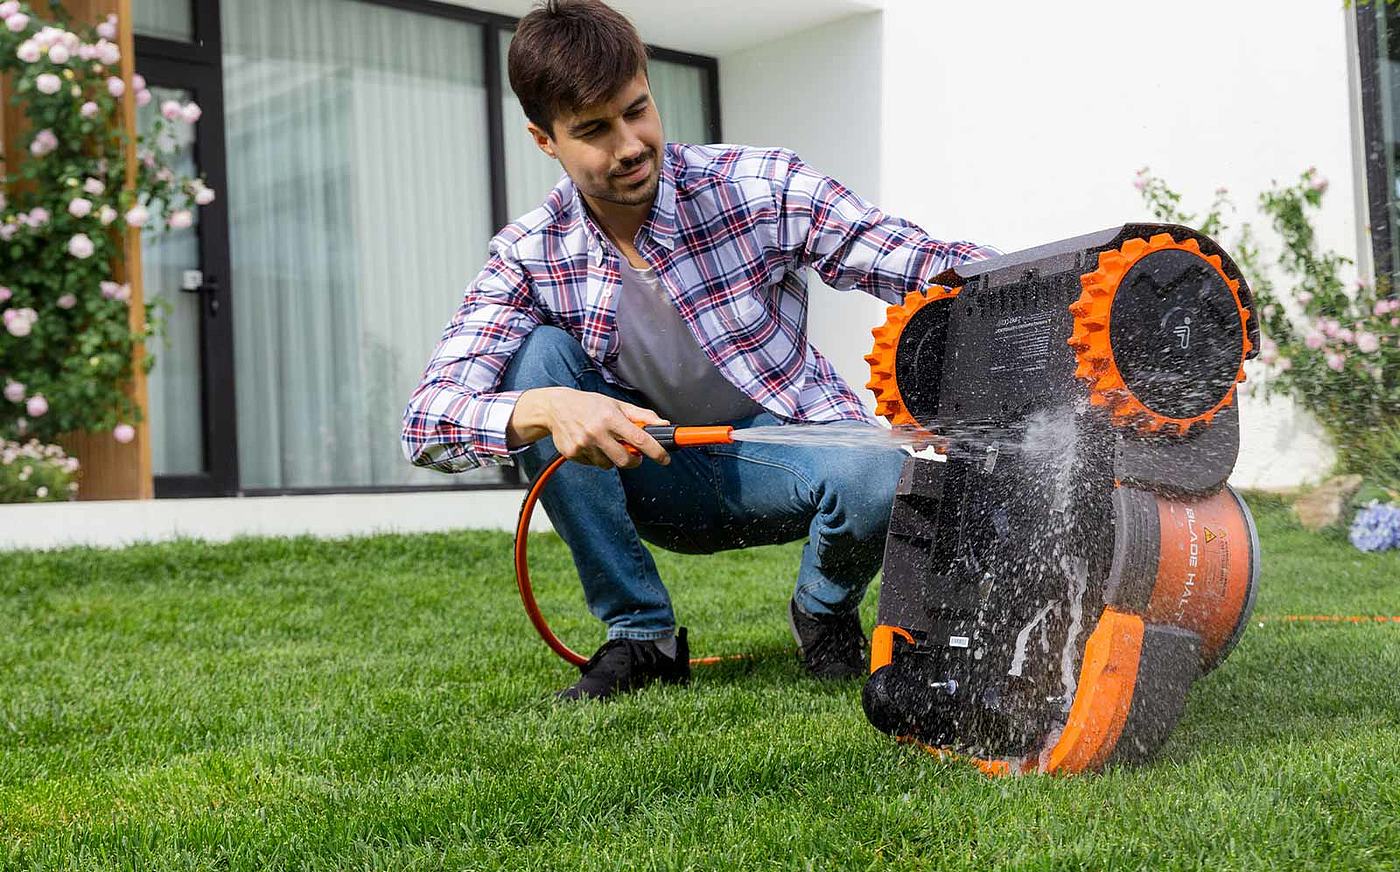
column 383, row 702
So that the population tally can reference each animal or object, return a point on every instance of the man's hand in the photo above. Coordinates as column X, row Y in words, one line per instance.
column 587, row 427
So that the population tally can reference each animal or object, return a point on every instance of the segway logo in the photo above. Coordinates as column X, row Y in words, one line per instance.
column 1183, row 333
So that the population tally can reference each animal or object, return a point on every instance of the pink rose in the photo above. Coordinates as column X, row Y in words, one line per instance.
column 38, row 216
column 204, row 196
column 44, row 142
column 123, row 433
column 1284, row 364
column 116, row 87
column 1140, row 183
column 36, row 406
column 14, row 391
column 138, row 82
column 95, row 187
column 143, row 97
column 1305, row 297
column 108, row 53
column 1314, row 340
column 8, row 8
column 1381, row 307
column 47, row 83
column 8, row 231
column 1336, row 362
column 5, row 293
column 88, row 110
column 1344, row 334
column 80, row 246
column 67, row 301
column 29, row 51
column 20, row 321
column 58, row 54
column 79, row 207
column 108, row 28
column 106, row 215
column 17, row 22
column 1367, row 343
column 180, row 219
column 170, row 110
column 137, row 216
column 191, row 113
column 109, row 290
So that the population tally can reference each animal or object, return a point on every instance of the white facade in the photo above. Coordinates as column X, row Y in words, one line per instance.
column 1020, row 123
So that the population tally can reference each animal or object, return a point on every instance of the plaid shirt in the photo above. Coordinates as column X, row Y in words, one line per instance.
column 729, row 236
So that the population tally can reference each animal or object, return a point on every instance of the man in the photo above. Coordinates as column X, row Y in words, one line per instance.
column 664, row 283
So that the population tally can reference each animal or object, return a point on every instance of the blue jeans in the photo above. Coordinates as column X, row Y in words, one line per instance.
column 708, row 499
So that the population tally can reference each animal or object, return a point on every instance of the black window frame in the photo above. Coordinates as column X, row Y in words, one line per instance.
column 1381, row 205
column 203, row 56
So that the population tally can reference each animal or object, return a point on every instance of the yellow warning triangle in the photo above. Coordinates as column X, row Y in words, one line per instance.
column 1210, row 536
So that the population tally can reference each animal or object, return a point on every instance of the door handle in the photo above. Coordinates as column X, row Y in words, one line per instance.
column 196, row 282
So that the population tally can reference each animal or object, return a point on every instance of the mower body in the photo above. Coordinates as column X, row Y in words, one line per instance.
column 1073, row 560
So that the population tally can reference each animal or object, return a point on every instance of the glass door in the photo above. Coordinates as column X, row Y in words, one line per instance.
column 185, row 272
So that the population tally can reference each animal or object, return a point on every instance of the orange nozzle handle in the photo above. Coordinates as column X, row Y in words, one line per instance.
column 685, row 437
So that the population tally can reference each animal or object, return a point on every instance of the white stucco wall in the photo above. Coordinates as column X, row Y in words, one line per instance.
column 1023, row 122
column 817, row 91
column 1020, row 123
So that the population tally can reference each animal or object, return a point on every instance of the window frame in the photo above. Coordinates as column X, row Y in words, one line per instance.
column 204, row 55
column 1379, row 211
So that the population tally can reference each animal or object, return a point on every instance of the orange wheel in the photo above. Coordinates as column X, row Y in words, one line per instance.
column 889, row 400
column 1215, row 302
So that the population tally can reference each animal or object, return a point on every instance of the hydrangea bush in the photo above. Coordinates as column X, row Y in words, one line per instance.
column 1333, row 348
column 1377, row 527
column 34, row 472
column 66, row 347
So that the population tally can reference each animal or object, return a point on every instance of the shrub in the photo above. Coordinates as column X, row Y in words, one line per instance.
column 1334, row 350
column 67, row 343
column 34, row 472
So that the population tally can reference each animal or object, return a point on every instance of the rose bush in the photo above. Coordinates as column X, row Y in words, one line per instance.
column 67, row 343
column 1332, row 348
column 33, row 472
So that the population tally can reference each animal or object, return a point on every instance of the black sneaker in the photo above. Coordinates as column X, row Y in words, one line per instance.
column 831, row 646
column 623, row 665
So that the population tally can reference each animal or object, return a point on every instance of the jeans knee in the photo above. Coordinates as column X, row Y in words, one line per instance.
column 548, row 357
column 863, row 494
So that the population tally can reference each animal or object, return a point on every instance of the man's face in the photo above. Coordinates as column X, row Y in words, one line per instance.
column 612, row 150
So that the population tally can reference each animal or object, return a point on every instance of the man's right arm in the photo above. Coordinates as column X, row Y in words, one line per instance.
column 457, row 419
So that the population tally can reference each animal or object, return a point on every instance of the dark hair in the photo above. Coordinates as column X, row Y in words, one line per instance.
column 569, row 54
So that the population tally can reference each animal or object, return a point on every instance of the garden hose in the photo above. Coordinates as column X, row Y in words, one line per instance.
column 670, row 438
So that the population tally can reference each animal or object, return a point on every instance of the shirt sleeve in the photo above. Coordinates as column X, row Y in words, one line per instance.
column 852, row 245
column 456, row 418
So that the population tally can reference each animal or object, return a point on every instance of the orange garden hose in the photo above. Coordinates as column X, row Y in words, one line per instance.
column 670, row 438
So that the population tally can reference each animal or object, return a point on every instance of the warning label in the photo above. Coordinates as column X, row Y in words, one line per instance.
column 1024, row 343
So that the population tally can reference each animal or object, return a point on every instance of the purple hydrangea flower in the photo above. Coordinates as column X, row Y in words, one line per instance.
column 1377, row 527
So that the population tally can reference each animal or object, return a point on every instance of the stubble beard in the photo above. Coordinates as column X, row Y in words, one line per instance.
column 633, row 197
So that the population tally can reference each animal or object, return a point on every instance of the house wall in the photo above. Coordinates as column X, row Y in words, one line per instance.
column 817, row 92
column 1020, row 123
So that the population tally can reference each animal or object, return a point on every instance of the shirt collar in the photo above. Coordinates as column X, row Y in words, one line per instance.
column 660, row 224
